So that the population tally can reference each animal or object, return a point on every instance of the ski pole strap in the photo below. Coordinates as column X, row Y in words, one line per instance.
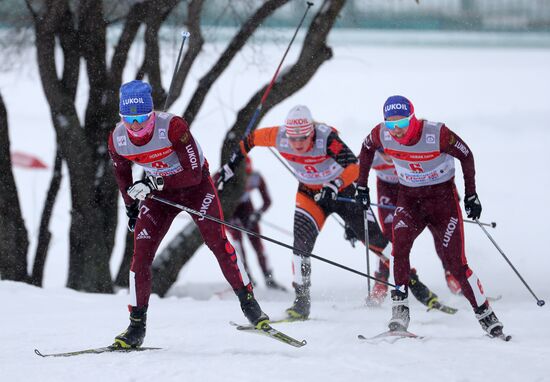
column 301, row 252
column 391, row 207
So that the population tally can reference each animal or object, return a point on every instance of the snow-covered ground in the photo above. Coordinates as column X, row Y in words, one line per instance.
column 494, row 98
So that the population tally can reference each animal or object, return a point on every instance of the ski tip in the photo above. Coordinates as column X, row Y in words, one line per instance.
column 361, row 337
column 37, row 352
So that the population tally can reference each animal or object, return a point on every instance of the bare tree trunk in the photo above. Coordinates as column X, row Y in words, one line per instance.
column 13, row 234
column 44, row 234
column 314, row 53
column 89, row 252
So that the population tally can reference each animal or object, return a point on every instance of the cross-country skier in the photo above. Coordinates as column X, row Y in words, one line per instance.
column 387, row 186
column 325, row 168
column 423, row 153
column 176, row 169
column 247, row 216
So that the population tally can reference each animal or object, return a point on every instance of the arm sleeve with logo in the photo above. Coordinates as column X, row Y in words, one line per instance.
column 453, row 145
column 186, row 149
column 264, row 193
column 266, row 137
column 123, row 172
column 342, row 154
column 368, row 148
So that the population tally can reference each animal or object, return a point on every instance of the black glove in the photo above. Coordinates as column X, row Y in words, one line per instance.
column 472, row 205
column 228, row 170
column 142, row 188
column 362, row 197
column 328, row 193
column 349, row 235
column 132, row 211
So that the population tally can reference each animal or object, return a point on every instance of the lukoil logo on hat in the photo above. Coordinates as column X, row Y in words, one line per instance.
column 398, row 105
column 135, row 98
column 299, row 121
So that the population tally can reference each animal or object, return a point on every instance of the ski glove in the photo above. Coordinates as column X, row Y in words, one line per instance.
column 362, row 196
column 329, row 192
column 142, row 188
column 132, row 211
column 228, row 170
column 472, row 205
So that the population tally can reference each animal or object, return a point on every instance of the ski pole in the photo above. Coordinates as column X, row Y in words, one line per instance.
column 539, row 301
column 268, row 89
column 366, row 224
column 351, row 200
column 301, row 252
column 276, row 227
column 390, row 207
column 185, row 36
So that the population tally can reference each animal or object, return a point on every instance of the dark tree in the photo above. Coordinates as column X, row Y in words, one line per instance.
column 13, row 234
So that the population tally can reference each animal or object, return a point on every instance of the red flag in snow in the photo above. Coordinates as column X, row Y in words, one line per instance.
column 26, row 161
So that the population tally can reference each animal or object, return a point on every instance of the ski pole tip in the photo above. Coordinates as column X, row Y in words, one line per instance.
column 541, row 302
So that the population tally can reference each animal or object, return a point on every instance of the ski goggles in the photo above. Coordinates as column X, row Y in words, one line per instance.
column 400, row 123
column 140, row 118
column 298, row 139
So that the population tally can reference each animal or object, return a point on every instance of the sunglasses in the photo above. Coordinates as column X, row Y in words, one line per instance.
column 401, row 123
column 140, row 118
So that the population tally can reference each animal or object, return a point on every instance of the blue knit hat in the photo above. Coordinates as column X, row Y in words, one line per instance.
column 398, row 105
column 135, row 98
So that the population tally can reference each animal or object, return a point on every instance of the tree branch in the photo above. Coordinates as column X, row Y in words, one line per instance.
column 227, row 56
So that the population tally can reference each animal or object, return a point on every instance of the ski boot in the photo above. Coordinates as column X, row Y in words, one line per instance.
column 400, row 311
column 135, row 334
column 379, row 291
column 272, row 284
column 453, row 283
column 251, row 308
column 421, row 291
column 489, row 321
column 302, row 304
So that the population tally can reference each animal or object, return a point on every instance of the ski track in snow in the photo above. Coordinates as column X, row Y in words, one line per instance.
column 200, row 345
column 496, row 99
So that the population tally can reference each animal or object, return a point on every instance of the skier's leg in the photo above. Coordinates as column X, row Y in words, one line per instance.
column 238, row 240
column 204, row 198
column 309, row 218
column 448, row 228
column 153, row 222
column 408, row 223
column 452, row 282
